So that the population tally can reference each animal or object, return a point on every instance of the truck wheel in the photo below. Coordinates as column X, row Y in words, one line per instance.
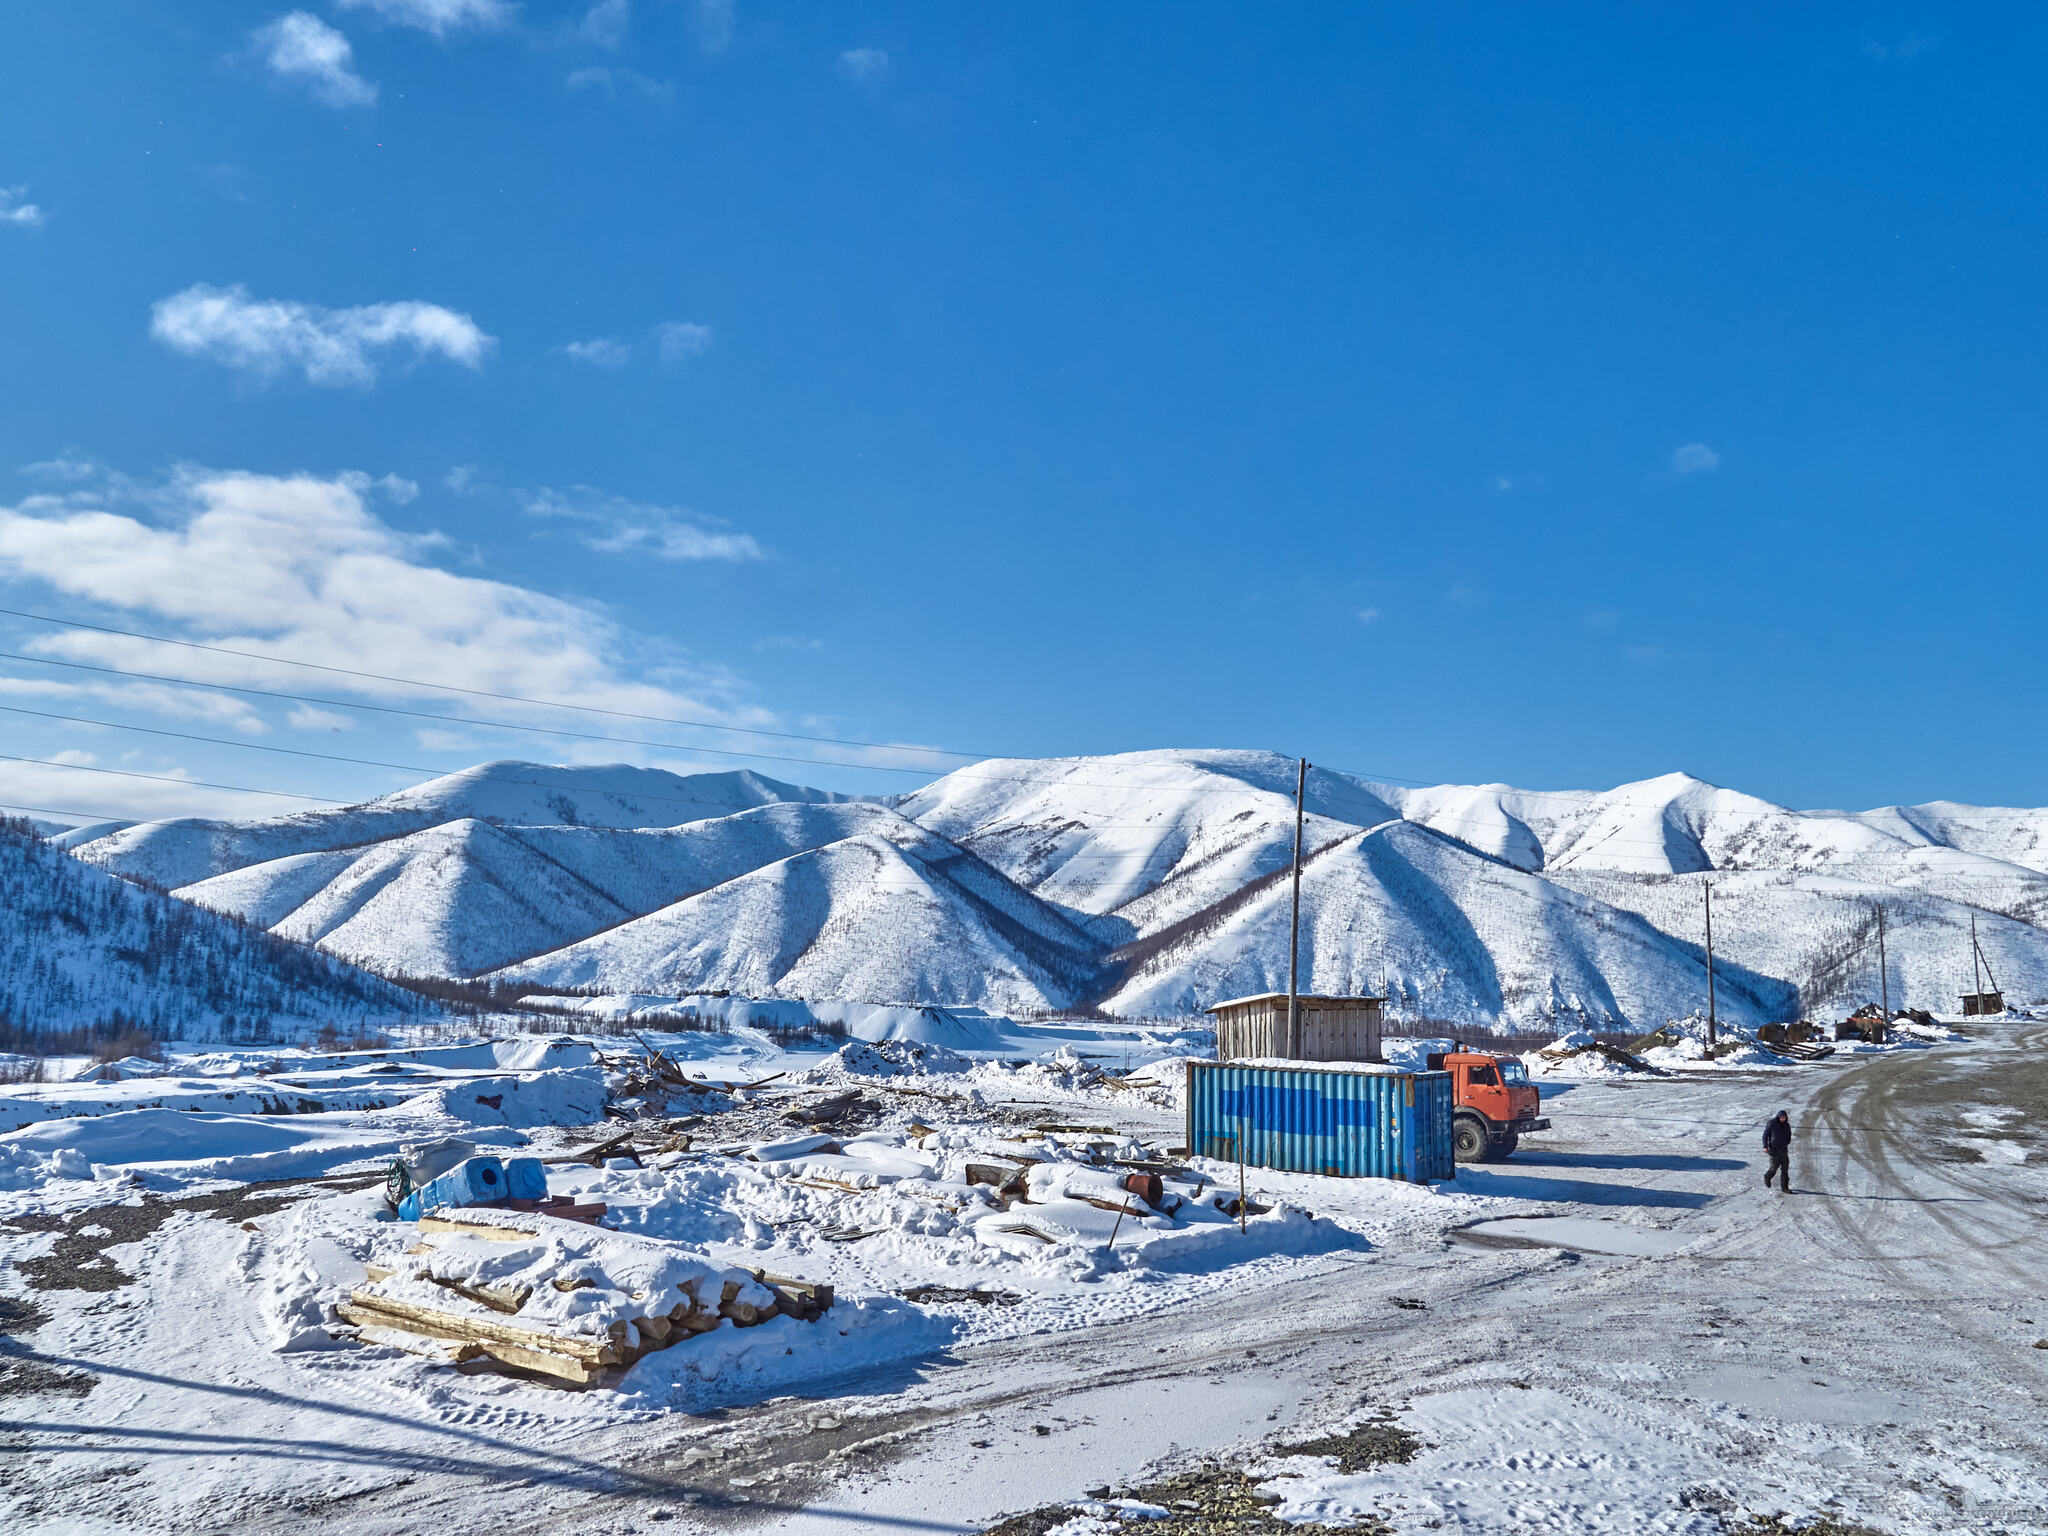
column 1503, row 1147
column 1469, row 1140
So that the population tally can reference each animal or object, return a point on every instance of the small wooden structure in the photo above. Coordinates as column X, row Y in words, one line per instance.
column 1332, row 1028
column 1982, row 1004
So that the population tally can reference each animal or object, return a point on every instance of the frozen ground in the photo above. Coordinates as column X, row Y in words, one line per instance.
column 1618, row 1331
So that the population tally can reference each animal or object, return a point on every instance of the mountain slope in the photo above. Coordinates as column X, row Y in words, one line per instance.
column 1407, row 913
column 185, row 851
column 467, row 897
column 870, row 918
column 80, row 947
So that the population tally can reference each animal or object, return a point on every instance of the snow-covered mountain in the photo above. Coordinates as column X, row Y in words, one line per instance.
column 188, row 850
column 1149, row 883
column 79, row 947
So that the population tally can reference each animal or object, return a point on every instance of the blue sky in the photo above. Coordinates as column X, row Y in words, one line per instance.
column 1465, row 393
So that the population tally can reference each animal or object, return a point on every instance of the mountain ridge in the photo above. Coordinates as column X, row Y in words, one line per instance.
column 1140, row 883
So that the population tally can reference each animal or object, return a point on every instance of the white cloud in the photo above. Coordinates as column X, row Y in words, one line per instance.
column 1369, row 615
column 611, row 81
column 302, row 48
column 437, row 740
column 196, row 704
column 1694, row 458
column 440, row 17
column 331, row 347
column 20, row 214
column 600, row 352
column 63, row 469
column 864, row 66
column 605, row 24
column 301, row 568
column 305, row 717
column 681, row 340
column 618, row 526
column 711, row 23
column 1911, row 46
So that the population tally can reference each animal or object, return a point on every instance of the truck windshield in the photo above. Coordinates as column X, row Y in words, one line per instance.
column 1513, row 1072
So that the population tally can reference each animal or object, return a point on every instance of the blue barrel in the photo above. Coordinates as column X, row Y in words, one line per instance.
column 1310, row 1119
column 526, row 1178
column 477, row 1181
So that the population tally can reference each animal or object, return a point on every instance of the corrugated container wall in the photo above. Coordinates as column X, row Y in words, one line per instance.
column 1381, row 1125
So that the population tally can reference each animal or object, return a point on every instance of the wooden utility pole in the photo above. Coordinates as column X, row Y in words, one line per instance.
column 1294, row 924
column 1712, row 1032
column 1884, row 972
column 1976, row 965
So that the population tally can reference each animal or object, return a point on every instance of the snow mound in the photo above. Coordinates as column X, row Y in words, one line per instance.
column 569, row 1097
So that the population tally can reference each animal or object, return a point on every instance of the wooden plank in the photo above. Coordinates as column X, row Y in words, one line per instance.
column 448, row 1351
column 460, row 1325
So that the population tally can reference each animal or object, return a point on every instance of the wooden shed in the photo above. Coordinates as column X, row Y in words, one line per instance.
column 1332, row 1028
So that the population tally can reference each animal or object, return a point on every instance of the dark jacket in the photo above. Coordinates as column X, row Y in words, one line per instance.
column 1778, row 1137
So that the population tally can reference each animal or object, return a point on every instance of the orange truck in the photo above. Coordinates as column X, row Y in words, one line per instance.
column 1496, row 1104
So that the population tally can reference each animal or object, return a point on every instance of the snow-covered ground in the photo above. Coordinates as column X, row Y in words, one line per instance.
column 1616, row 1331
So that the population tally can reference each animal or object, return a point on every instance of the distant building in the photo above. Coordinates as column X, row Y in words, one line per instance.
column 1332, row 1028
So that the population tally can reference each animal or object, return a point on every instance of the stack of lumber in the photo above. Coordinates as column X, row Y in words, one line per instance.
column 570, row 1302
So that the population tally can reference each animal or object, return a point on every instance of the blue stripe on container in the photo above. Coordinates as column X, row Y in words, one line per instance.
column 1385, row 1125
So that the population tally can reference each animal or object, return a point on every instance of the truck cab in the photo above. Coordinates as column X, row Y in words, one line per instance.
column 1496, row 1104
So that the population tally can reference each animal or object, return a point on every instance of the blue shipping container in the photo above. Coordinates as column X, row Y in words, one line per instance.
column 1309, row 1119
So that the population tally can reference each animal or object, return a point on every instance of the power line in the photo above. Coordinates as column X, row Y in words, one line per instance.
column 170, row 778
column 464, row 720
column 477, row 693
column 876, row 746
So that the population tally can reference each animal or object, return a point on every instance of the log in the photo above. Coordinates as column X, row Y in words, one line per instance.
column 447, row 1351
column 375, row 1328
column 459, row 1325
column 449, row 1219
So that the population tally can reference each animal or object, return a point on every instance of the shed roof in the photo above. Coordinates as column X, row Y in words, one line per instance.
column 1305, row 997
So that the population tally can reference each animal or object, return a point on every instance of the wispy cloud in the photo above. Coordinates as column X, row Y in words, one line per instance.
column 600, row 352
column 171, row 702
column 1694, row 459
column 117, row 797
column 1370, row 615
column 605, row 25
column 305, row 717
column 611, row 80
column 677, row 341
column 1910, row 46
column 614, row 525
column 439, row 17
column 15, row 210
column 711, row 23
column 302, row 567
column 302, row 49
column 864, row 66
column 330, row 347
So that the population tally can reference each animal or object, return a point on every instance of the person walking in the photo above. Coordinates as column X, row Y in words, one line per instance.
column 1778, row 1143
